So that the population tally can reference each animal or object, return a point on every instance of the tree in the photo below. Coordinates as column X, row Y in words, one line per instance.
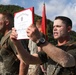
column 15, row 8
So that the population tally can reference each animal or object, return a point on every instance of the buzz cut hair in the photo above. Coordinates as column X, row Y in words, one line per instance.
column 67, row 21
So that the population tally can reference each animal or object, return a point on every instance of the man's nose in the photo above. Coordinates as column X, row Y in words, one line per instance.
column 55, row 28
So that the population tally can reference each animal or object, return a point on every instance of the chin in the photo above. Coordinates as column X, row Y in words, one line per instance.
column 56, row 37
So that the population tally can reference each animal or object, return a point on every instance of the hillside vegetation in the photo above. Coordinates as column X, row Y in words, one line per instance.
column 13, row 8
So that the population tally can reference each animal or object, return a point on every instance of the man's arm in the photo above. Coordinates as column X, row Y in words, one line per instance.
column 58, row 55
column 23, row 69
column 26, row 57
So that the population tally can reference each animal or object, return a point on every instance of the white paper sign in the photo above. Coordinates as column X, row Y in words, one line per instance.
column 22, row 20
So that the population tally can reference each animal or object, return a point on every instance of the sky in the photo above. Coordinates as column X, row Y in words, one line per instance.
column 53, row 8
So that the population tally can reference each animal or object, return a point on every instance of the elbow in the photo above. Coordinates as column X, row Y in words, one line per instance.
column 69, row 62
column 26, row 60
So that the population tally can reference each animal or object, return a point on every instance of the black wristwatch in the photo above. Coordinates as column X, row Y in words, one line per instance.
column 41, row 41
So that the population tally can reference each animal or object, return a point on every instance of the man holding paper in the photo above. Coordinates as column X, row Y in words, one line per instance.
column 61, row 58
column 12, row 62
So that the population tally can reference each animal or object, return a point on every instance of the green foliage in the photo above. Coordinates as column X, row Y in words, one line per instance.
column 13, row 8
column 73, row 35
column 10, row 8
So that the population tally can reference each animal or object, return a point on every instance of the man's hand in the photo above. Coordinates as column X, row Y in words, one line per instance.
column 13, row 34
column 33, row 33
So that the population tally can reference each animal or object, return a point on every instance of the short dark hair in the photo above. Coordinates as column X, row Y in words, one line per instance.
column 8, row 16
column 65, row 20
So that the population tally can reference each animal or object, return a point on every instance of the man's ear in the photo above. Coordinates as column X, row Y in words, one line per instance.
column 69, row 28
column 7, row 22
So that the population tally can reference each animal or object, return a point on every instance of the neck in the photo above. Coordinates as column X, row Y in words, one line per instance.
column 63, row 41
